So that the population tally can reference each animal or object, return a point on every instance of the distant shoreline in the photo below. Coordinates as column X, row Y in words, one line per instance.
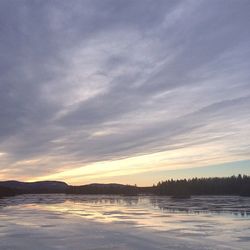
column 229, row 186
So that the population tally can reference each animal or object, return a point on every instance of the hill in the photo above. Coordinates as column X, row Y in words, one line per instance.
column 35, row 187
column 234, row 185
column 97, row 188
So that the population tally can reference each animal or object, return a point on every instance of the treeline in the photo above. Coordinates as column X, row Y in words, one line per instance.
column 10, row 188
column 7, row 192
column 104, row 189
column 184, row 188
column 233, row 185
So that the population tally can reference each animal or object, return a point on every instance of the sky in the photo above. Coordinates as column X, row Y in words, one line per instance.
column 129, row 91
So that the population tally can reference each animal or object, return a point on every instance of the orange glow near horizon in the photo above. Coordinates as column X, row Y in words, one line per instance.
column 115, row 170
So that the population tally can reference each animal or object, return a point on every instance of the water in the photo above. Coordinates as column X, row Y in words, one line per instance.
column 116, row 222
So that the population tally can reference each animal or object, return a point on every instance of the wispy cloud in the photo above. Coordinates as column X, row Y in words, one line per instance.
column 85, row 82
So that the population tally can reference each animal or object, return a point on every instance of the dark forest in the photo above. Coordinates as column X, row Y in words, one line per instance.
column 184, row 188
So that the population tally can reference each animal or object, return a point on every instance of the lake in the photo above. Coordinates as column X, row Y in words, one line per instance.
column 58, row 221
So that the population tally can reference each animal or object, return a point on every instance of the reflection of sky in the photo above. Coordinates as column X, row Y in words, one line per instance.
column 213, row 218
column 107, row 90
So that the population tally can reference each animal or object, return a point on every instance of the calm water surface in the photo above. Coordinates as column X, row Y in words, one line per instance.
column 116, row 222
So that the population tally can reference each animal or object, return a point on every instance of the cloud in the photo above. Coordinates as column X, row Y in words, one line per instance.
column 89, row 81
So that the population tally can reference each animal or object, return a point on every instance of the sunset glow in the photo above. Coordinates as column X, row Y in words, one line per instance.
column 123, row 91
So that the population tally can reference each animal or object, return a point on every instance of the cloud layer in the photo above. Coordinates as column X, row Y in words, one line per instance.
column 89, row 81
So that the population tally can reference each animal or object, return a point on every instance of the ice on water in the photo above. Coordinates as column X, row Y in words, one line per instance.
column 115, row 222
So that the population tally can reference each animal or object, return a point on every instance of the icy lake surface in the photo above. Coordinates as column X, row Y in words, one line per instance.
column 116, row 222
